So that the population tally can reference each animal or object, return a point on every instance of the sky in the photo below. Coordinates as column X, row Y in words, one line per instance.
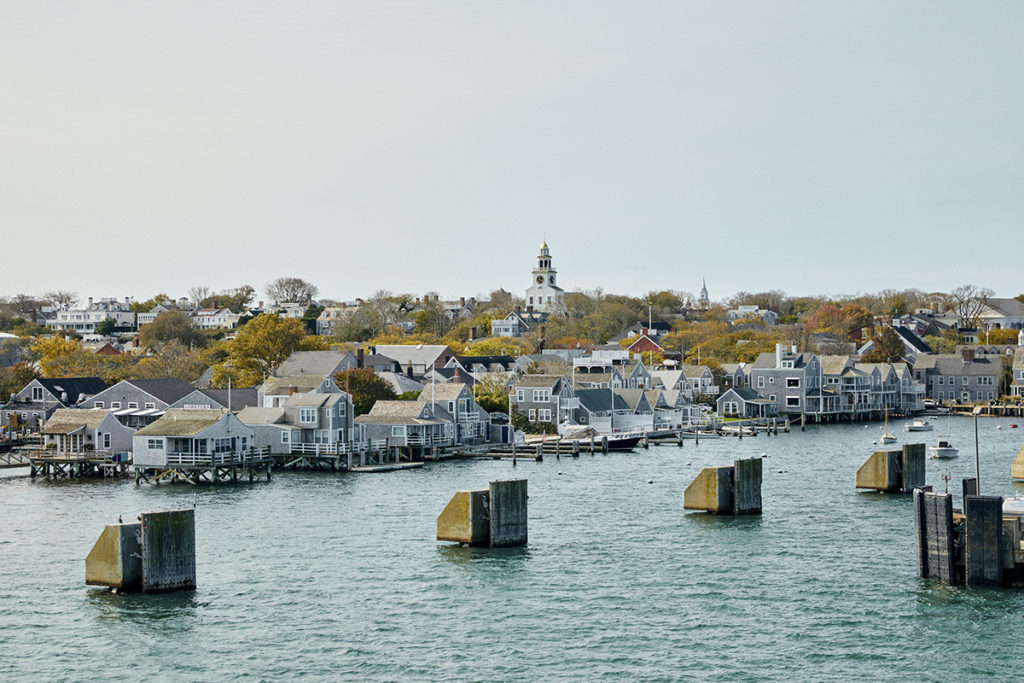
column 813, row 147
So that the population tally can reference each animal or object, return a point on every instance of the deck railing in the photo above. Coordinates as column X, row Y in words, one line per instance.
column 248, row 456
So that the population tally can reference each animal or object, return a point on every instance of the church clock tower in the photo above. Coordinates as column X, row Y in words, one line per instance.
column 544, row 294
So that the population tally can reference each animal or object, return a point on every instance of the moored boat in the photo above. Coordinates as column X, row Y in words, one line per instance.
column 918, row 425
column 943, row 450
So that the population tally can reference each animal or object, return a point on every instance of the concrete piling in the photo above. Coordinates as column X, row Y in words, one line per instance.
column 156, row 555
column 893, row 470
column 734, row 489
column 494, row 517
column 1017, row 468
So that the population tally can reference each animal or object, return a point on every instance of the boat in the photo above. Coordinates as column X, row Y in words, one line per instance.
column 617, row 441
column 943, row 449
column 886, row 436
column 918, row 426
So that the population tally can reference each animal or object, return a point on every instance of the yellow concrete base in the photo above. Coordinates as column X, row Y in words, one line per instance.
column 709, row 491
column 1017, row 468
column 114, row 560
column 876, row 474
column 464, row 519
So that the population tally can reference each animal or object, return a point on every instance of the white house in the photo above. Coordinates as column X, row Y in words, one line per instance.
column 191, row 437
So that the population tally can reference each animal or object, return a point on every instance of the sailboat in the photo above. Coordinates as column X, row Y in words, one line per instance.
column 943, row 448
column 886, row 436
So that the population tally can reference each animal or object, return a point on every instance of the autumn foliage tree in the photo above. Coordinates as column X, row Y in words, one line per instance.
column 365, row 387
column 261, row 345
column 888, row 348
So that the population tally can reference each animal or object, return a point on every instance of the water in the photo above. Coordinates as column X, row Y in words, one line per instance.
column 327, row 576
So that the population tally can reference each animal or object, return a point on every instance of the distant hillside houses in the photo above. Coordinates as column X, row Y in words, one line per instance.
column 746, row 313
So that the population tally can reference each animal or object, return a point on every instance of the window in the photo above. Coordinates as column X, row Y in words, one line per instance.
column 541, row 395
column 307, row 415
column 451, row 407
column 37, row 393
column 114, row 405
column 942, row 380
column 942, row 395
column 544, row 415
column 771, row 380
column 341, row 409
column 760, row 382
column 793, row 401
column 965, row 380
column 520, row 395
column 398, row 430
column 286, row 436
column 106, row 440
column 321, row 436
column 133, row 404
column 150, row 405
column 533, row 415
column 98, row 404
column 792, row 382
column 787, row 363
column 155, row 444
column 771, row 397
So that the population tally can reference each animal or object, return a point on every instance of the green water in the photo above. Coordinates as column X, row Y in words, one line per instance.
column 338, row 577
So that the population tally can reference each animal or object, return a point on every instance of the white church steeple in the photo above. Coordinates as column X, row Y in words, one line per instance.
column 544, row 294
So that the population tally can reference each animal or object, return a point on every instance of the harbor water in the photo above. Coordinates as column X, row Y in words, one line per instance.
column 327, row 576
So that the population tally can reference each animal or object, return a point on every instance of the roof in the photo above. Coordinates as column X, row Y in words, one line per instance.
column 181, row 422
column 668, row 377
column 833, row 365
column 600, row 400
column 312, row 400
column 694, row 370
column 955, row 365
column 1010, row 308
column 538, row 380
column 912, row 340
column 321, row 363
column 67, row 420
column 504, row 361
column 240, row 398
column 744, row 393
column 283, row 385
column 73, row 386
column 396, row 412
column 167, row 390
column 417, row 354
column 255, row 415
column 632, row 397
column 400, row 382
column 442, row 392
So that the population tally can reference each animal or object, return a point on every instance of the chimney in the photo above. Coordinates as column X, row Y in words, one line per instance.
column 968, row 355
column 90, row 302
column 292, row 390
column 462, row 301
column 261, row 305
column 529, row 309
column 359, row 357
column 127, row 301
column 778, row 355
column 472, row 300
column 417, row 301
column 472, row 333
column 794, row 348
column 408, row 370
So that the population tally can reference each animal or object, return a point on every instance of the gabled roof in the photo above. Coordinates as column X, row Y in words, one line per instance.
column 320, row 363
column 834, row 365
column 744, row 393
column 397, row 412
column 912, row 340
column 72, row 386
column 181, row 422
column 400, row 382
column 1010, row 308
column 417, row 354
column 312, row 400
column 276, row 386
column 255, row 415
column 668, row 377
column 442, row 392
column 167, row 390
column 240, row 398
column 67, row 420
column 600, row 400
column 632, row 397
column 694, row 371
column 538, row 380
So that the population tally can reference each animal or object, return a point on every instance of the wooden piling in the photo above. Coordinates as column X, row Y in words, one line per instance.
column 983, row 540
column 933, row 530
column 747, row 486
column 604, row 444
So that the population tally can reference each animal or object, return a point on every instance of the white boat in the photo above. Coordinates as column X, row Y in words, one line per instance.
column 943, row 450
column 918, row 426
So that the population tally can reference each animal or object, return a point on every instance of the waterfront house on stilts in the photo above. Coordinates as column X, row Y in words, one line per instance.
column 196, row 446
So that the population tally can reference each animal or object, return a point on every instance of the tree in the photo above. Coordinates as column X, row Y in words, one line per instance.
column 291, row 289
column 197, row 294
column 235, row 300
column 174, row 360
column 263, row 344
column 1000, row 336
column 491, row 394
column 943, row 343
column 968, row 304
column 888, row 348
column 500, row 346
column 148, row 304
column 365, row 387
column 107, row 326
column 61, row 299
column 432, row 318
column 59, row 357
column 309, row 317
column 173, row 325
column 14, row 378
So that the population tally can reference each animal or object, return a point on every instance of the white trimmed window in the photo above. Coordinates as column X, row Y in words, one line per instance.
column 307, row 415
column 99, row 404
column 532, row 415
column 133, row 404
column 760, row 382
column 114, row 405
column 150, row 405
column 286, row 436
column 544, row 415
column 155, row 444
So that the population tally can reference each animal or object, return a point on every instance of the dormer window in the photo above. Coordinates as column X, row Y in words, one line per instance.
column 787, row 363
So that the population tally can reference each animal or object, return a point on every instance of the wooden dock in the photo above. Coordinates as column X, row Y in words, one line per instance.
column 388, row 467
column 56, row 465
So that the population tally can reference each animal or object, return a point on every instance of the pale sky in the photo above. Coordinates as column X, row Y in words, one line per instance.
column 814, row 147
